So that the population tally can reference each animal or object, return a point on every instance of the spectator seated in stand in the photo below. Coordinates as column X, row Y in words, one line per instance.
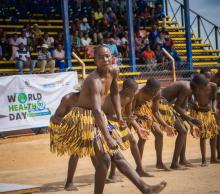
column 164, row 31
column 158, row 12
column 45, row 59
column 36, row 34
column 89, row 52
column 59, row 39
column 149, row 58
column 22, row 59
column 176, row 57
column 160, row 40
column 138, row 43
column 154, row 33
column 23, row 38
column 114, row 51
column 49, row 41
column 13, row 42
column 84, row 26
column 85, row 42
column 59, row 56
column 109, row 18
column 160, row 58
column 76, row 42
column 98, row 16
column 147, row 17
column 124, row 45
column 6, row 54
column 168, row 43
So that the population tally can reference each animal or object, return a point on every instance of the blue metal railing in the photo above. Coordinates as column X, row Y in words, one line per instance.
column 204, row 28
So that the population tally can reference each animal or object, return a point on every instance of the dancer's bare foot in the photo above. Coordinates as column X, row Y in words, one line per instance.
column 204, row 164
column 154, row 189
column 70, row 187
column 177, row 167
column 142, row 173
column 186, row 164
column 214, row 161
column 162, row 167
column 113, row 179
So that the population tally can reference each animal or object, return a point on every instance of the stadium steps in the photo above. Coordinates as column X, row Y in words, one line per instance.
column 184, row 39
column 32, row 21
column 51, row 22
column 202, row 64
column 22, row 26
column 200, row 51
column 169, row 28
column 201, row 56
column 74, row 68
column 193, row 45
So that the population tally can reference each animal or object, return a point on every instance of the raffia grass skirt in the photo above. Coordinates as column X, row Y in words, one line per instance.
column 209, row 126
column 141, row 112
column 77, row 134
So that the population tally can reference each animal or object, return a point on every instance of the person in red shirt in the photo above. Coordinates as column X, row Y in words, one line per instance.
column 168, row 43
column 149, row 58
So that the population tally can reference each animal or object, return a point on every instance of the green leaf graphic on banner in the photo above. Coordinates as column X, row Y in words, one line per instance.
column 40, row 105
column 22, row 98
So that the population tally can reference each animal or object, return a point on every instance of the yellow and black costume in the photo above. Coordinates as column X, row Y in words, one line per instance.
column 170, row 115
column 167, row 112
column 208, row 129
column 144, row 111
column 77, row 134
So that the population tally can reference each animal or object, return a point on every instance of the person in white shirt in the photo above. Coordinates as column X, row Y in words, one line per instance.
column 59, row 56
column 13, row 42
column 22, row 39
column 85, row 40
column 22, row 58
column 48, row 40
column 84, row 26
column 124, row 45
column 45, row 59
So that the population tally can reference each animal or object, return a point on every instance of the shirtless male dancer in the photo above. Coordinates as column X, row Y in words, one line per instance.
column 84, row 132
column 216, row 79
column 67, row 103
column 177, row 95
column 127, row 94
column 204, row 109
column 146, row 107
column 70, row 100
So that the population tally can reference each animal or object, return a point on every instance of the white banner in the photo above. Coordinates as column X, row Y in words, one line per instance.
column 28, row 101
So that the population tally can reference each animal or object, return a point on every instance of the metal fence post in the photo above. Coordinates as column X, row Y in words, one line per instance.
column 132, row 57
column 182, row 15
column 166, row 5
column 199, row 26
column 188, row 35
column 67, row 43
column 216, row 38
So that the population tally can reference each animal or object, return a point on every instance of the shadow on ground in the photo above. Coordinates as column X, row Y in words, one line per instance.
column 85, row 180
column 80, row 181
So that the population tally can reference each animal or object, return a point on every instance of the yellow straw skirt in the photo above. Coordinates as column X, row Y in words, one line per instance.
column 209, row 125
column 167, row 112
column 145, row 111
column 77, row 134
column 119, row 134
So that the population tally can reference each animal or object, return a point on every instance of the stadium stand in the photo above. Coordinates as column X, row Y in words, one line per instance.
column 94, row 22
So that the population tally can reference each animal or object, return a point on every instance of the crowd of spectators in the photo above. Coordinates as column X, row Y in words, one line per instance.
column 92, row 22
